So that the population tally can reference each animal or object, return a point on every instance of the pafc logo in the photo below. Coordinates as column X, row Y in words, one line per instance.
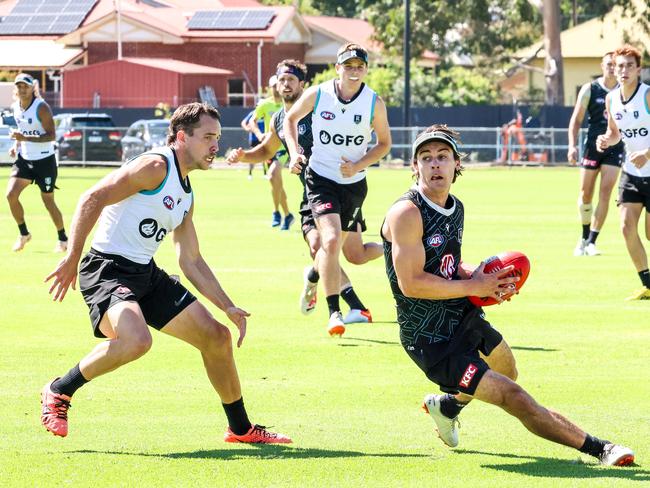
column 302, row 129
column 168, row 202
column 149, row 228
column 447, row 266
column 327, row 115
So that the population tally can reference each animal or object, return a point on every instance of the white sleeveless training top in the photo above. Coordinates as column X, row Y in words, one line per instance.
column 633, row 120
column 340, row 129
column 30, row 125
column 135, row 227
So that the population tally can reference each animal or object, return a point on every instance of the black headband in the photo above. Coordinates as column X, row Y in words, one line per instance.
column 292, row 70
column 353, row 53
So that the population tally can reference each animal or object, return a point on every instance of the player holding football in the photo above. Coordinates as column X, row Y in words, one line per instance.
column 344, row 113
column 137, row 206
column 291, row 76
column 628, row 109
column 442, row 332
column 591, row 100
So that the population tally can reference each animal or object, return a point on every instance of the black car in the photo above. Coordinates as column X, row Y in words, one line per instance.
column 143, row 135
column 87, row 137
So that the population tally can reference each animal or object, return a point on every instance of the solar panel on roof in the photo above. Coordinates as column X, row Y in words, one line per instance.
column 231, row 19
column 45, row 16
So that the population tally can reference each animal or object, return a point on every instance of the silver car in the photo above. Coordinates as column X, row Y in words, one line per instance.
column 6, row 143
column 143, row 135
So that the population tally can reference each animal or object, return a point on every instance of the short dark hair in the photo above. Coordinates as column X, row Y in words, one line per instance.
column 186, row 118
column 450, row 133
column 628, row 50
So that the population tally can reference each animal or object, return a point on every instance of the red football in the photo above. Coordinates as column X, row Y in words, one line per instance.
column 500, row 261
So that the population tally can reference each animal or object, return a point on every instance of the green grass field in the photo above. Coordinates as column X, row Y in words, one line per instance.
column 350, row 404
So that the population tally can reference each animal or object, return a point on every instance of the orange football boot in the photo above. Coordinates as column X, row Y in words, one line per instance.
column 54, row 412
column 257, row 435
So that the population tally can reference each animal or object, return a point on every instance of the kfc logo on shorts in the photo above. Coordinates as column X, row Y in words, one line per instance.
column 168, row 202
column 435, row 240
column 323, row 206
column 447, row 266
column 327, row 115
column 468, row 375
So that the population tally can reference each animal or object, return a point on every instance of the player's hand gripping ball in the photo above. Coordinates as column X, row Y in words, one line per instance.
column 500, row 261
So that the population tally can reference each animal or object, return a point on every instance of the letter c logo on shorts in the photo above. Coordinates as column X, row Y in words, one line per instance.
column 468, row 375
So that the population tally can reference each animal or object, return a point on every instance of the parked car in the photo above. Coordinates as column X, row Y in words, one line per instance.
column 6, row 143
column 87, row 137
column 142, row 135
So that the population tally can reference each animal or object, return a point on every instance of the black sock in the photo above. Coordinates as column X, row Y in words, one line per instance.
column 313, row 275
column 237, row 417
column 352, row 299
column 71, row 382
column 333, row 304
column 585, row 231
column 645, row 277
column 593, row 446
column 22, row 228
column 62, row 236
column 593, row 235
column 450, row 407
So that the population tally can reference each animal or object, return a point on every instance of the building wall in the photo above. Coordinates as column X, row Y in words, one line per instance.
column 190, row 84
column 236, row 57
column 577, row 72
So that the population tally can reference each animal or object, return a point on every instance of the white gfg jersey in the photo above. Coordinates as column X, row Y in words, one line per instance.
column 633, row 120
column 135, row 227
column 340, row 129
column 30, row 125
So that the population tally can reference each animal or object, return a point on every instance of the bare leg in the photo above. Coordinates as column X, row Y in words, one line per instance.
column 55, row 213
column 498, row 390
column 630, row 215
column 608, row 177
column 329, row 227
column 277, row 188
column 196, row 326
column 356, row 252
column 128, row 339
column 15, row 187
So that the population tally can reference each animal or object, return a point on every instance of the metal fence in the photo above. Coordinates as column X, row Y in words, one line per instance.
column 497, row 145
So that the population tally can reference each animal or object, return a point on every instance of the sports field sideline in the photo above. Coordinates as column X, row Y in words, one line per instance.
column 351, row 405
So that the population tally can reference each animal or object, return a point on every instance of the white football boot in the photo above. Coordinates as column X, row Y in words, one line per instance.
column 615, row 455
column 580, row 248
column 335, row 325
column 308, row 297
column 356, row 316
column 447, row 428
column 591, row 250
column 61, row 246
column 21, row 242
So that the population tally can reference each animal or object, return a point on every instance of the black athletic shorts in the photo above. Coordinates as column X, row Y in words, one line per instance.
column 41, row 171
column 308, row 223
column 461, row 368
column 107, row 279
column 329, row 197
column 634, row 189
column 592, row 158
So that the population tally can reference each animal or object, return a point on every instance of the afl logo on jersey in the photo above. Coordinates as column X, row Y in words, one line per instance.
column 327, row 115
column 168, row 202
column 148, row 228
column 436, row 240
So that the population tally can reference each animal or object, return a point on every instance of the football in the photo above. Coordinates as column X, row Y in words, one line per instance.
column 500, row 261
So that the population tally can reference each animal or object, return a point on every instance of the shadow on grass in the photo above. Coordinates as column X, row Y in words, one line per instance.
column 374, row 341
column 537, row 349
column 257, row 451
column 543, row 467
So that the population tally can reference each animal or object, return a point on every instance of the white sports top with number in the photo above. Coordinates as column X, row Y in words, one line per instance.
column 30, row 125
column 135, row 227
column 340, row 129
column 633, row 120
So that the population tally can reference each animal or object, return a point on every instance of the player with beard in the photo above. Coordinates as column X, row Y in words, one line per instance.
column 291, row 80
column 135, row 207
column 440, row 329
